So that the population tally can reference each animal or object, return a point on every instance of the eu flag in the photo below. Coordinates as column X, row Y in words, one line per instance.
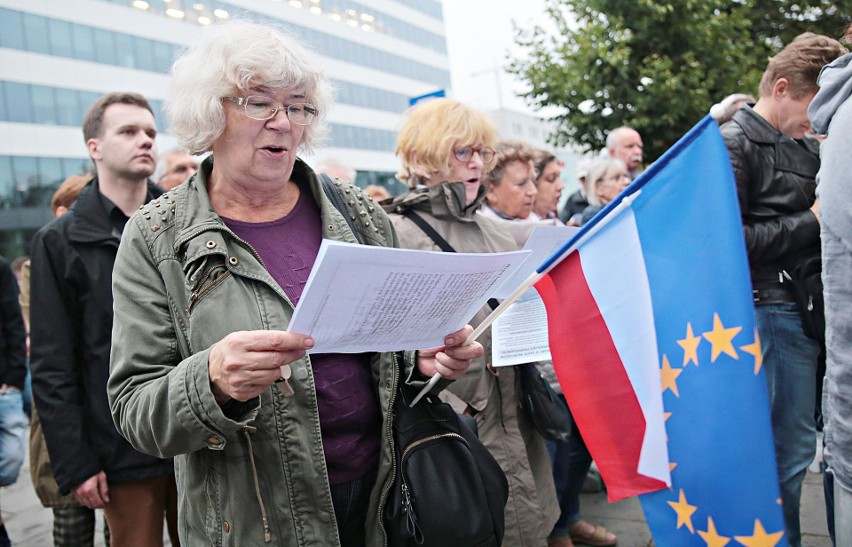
column 655, row 291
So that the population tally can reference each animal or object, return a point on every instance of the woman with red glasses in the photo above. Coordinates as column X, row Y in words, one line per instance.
column 447, row 149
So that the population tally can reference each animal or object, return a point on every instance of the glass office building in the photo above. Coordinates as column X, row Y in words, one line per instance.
column 57, row 56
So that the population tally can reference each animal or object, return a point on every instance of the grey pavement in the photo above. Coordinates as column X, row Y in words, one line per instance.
column 626, row 520
column 29, row 524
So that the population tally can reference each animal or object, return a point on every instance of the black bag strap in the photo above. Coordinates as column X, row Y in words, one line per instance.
column 439, row 241
column 429, row 231
column 332, row 192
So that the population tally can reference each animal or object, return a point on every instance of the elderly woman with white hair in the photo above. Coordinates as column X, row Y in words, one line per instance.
column 270, row 445
column 606, row 179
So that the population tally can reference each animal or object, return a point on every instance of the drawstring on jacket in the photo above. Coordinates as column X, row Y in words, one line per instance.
column 267, row 535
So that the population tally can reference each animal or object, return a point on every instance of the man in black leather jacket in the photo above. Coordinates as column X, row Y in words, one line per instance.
column 775, row 167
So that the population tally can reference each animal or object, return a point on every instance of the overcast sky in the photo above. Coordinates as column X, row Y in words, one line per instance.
column 479, row 33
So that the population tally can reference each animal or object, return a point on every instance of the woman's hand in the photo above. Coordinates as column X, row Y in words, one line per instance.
column 244, row 364
column 452, row 360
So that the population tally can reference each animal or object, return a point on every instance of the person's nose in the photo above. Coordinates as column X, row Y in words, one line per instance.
column 476, row 161
column 280, row 121
column 531, row 189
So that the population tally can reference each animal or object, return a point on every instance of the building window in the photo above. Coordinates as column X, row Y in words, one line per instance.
column 117, row 49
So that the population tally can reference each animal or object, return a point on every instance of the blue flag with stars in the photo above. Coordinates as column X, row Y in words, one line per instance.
column 721, row 457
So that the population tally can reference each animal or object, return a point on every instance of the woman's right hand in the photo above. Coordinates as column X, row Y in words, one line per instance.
column 244, row 364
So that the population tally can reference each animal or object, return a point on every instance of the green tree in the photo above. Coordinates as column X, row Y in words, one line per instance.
column 657, row 66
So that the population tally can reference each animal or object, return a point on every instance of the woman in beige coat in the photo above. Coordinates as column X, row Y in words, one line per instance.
column 445, row 149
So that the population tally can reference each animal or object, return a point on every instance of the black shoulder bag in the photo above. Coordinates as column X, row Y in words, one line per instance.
column 448, row 488
column 806, row 282
column 549, row 415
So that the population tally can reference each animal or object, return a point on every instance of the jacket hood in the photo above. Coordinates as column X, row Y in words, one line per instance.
column 835, row 86
column 445, row 200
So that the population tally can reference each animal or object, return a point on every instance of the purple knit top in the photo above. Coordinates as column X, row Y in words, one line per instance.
column 350, row 417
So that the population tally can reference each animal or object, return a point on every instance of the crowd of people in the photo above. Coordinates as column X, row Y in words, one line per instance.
column 167, row 392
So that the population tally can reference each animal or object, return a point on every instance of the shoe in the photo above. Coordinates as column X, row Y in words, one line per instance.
column 560, row 541
column 599, row 536
column 592, row 482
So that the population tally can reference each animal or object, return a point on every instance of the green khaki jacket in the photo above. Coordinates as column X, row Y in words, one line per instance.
column 254, row 473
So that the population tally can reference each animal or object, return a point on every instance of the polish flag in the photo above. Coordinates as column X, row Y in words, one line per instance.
column 654, row 292
column 604, row 348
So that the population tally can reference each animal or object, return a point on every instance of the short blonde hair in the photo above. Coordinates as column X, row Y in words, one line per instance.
column 508, row 152
column 429, row 132
column 800, row 63
column 233, row 57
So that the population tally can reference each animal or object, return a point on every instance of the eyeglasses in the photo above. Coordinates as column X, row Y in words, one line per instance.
column 616, row 178
column 261, row 108
column 465, row 153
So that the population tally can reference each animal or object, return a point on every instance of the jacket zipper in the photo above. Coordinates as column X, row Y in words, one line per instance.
column 203, row 291
column 389, row 432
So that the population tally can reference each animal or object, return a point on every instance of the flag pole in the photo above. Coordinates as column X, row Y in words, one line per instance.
column 552, row 261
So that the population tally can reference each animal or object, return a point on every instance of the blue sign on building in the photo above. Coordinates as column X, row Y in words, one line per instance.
column 434, row 95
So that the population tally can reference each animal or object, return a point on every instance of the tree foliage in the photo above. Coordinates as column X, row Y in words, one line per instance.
column 656, row 66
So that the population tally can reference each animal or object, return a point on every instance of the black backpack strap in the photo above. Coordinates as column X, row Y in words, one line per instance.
column 429, row 231
column 332, row 192
column 439, row 241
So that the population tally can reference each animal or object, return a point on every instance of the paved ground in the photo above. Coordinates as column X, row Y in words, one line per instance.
column 29, row 524
column 625, row 518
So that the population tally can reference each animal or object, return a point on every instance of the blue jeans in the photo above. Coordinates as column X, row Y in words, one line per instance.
column 28, row 392
column 790, row 364
column 13, row 427
column 351, row 500
column 571, row 461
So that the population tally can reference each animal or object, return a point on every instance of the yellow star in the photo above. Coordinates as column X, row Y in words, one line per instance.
column 754, row 349
column 684, row 512
column 711, row 537
column 721, row 339
column 690, row 346
column 672, row 465
column 669, row 376
column 760, row 538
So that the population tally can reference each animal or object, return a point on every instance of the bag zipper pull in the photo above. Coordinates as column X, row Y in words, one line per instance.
column 410, row 518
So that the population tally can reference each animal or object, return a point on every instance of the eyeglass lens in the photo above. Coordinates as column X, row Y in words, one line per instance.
column 465, row 153
column 261, row 108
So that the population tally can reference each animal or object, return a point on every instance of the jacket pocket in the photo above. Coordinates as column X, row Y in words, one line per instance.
column 203, row 277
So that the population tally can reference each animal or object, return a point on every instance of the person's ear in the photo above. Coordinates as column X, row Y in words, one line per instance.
column 417, row 168
column 490, row 197
column 781, row 88
column 94, row 148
